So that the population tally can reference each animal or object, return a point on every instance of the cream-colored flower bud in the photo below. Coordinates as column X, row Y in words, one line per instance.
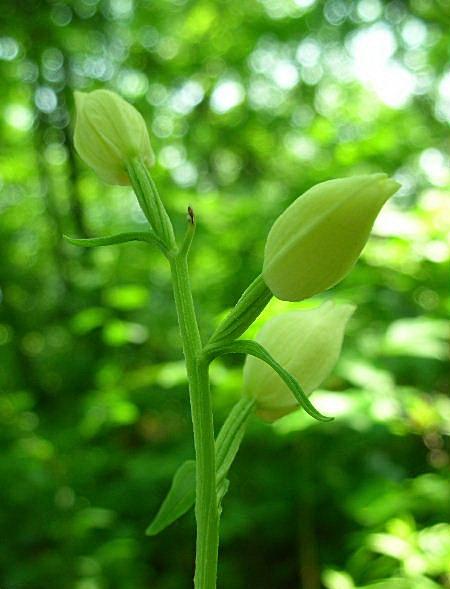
column 316, row 241
column 109, row 132
column 307, row 344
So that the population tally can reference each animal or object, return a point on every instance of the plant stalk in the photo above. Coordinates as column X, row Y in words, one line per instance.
column 206, row 511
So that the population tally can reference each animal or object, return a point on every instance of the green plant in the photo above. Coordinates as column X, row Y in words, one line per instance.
column 311, row 247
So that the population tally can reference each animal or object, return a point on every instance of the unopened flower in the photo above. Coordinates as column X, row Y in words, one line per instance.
column 307, row 344
column 109, row 133
column 317, row 240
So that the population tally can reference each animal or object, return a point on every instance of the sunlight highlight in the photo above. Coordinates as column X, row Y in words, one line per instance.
column 372, row 50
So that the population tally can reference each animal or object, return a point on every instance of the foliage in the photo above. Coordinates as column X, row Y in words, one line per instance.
column 248, row 104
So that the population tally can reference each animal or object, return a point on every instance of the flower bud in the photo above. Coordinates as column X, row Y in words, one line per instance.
column 316, row 241
column 109, row 132
column 307, row 344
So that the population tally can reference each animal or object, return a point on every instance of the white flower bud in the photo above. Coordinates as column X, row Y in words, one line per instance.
column 317, row 240
column 307, row 344
column 109, row 132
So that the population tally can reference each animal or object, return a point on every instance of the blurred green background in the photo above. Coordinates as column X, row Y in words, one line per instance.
column 249, row 103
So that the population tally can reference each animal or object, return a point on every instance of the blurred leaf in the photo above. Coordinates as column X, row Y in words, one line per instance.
column 118, row 333
column 89, row 319
column 127, row 297
column 337, row 580
column 410, row 583
column 420, row 336
column 93, row 517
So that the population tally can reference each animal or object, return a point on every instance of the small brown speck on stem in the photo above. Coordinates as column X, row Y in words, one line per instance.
column 191, row 215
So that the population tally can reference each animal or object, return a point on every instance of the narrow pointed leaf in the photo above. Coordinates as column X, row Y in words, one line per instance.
column 179, row 500
column 254, row 349
column 181, row 496
column 222, row 490
column 230, row 436
column 146, row 236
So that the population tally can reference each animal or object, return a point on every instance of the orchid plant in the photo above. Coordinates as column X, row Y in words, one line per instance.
column 311, row 247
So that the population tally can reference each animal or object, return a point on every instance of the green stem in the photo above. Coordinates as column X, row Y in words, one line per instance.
column 151, row 203
column 206, row 511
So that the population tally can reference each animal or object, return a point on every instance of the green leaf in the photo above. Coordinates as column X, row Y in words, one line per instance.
column 222, row 490
column 230, row 436
column 181, row 496
column 254, row 349
column 179, row 500
column 147, row 236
